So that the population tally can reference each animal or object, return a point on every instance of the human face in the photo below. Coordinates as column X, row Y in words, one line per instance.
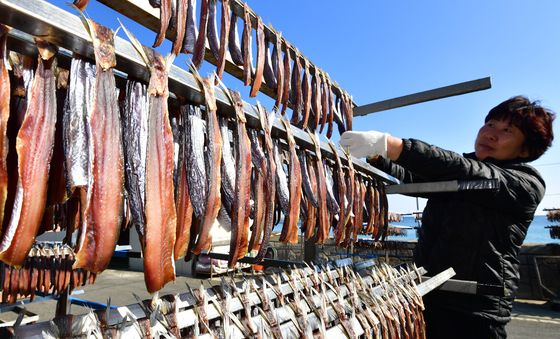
column 501, row 140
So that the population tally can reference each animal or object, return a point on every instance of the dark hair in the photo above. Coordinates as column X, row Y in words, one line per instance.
column 531, row 118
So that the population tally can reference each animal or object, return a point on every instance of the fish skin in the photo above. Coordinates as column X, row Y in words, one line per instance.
column 199, row 46
column 196, row 176
column 306, row 93
column 135, row 139
column 77, row 108
column 190, row 28
column 287, row 78
column 34, row 144
column 332, row 204
column 296, row 97
column 339, row 233
column 81, row 4
column 246, row 46
column 268, row 72
column 282, row 188
column 270, row 186
column 234, row 44
column 165, row 16
column 104, row 200
column 323, row 217
column 241, row 208
column 180, row 26
column 213, row 155
column 260, row 210
column 228, row 167
column 308, row 190
column 290, row 228
column 4, row 116
column 212, row 29
column 224, row 30
column 278, row 70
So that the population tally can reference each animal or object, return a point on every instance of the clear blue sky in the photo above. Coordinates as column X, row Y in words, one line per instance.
column 379, row 50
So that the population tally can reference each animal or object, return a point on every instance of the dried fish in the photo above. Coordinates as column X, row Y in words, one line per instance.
column 135, row 134
column 323, row 218
column 316, row 107
column 212, row 29
column 184, row 204
column 180, row 26
column 165, row 17
column 35, row 141
column 269, row 73
column 103, row 211
column 270, row 179
column 310, row 192
column 296, row 97
column 290, row 230
column 224, row 30
column 306, row 93
column 246, row 46
column 199, row 46
column 196, row 176
column 81, row 4
column 332, row 204
column 189, row 40
column 257, row 79
column 234, row 45
column 4, row 115
column 339, row 233
column 228, row 167
column 213, row 157
column 278, row 69
column 240, row 211
column 282, row 188
column 287, row 77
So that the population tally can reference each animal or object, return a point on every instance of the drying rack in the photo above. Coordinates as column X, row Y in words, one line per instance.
column 186, row 316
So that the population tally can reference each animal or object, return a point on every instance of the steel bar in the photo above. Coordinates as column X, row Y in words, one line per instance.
column 435, row 281
column 433, row 94
column 443, row 186
column 64, row 29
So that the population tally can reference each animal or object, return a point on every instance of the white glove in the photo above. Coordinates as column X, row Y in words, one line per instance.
column 365, row 144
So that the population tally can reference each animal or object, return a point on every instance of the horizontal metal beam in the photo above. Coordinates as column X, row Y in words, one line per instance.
column 444, row 186
column 64, row 29
column 433, row 94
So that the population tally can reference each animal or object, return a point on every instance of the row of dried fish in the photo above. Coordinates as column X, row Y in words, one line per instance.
column 383, row 301
column 178, row 176
column 47, row 270
column 296, row 83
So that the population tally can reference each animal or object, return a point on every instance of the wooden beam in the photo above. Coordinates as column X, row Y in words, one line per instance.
column 433, row 94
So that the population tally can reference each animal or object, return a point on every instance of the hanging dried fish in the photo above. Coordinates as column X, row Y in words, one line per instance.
column 358, row 208
column 332, row 204
column 4, row 115
column 196, row 175
column 323, row 217
column 269, row 73
column 370, row 202
column 348, row 110
column 179, row 26
column 34, row 148
column 270, row 179
column 278, row 69
column 296, row 97
column 324, row 101
column 246, row 45
column 199, row 46
column 240, row 212
column 287, row 77
column 135, row 135
column 234, row 45
column 316, row 107
column 257, row 80
column 306, row 93
column 260, row 171
column 330, row 104
column 100, row 228
column 289, row 229
column 165, row 17
column 308, row 190
column 341, row 185
column 213, row 156
column 212, row 29
column 81, row 4
column 184, row 204
column 224, row 30
column 189, row 40
column 228, row 167
column 311, row 221
column 282, row 188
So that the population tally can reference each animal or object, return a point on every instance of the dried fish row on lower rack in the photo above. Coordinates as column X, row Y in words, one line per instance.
column 323, row 297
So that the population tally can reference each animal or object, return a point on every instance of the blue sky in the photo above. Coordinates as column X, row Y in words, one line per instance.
column 379, row 50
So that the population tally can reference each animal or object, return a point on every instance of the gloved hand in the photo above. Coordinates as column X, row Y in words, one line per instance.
column 365, row 144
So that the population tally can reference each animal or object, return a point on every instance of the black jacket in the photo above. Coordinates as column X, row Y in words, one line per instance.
column 478, row 233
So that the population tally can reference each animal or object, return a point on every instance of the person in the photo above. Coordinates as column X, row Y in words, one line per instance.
column 476, row 232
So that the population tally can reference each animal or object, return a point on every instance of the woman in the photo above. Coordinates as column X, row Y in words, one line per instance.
column 478, row 232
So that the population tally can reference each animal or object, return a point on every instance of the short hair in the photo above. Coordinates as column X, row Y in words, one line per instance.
column 534, row 121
